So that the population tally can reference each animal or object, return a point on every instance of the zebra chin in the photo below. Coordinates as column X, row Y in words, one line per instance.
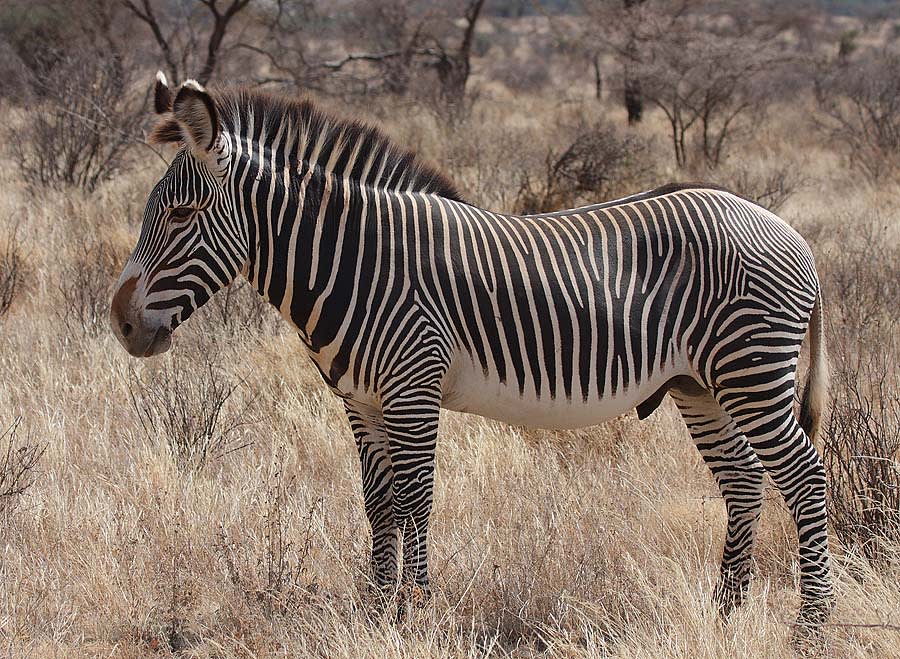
column 141, row 339
column 159, row 342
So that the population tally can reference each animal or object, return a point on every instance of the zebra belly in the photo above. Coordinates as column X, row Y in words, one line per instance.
column 467, row 389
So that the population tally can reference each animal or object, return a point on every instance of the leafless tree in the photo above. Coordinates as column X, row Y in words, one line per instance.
column 391, row 31
column 859, row 103
column 453, row 63
column 706, row 83
column 290, row 45
column 180, row 45
column 634, row 100
column 397, row 40
column 624, row 28
column 703, row 69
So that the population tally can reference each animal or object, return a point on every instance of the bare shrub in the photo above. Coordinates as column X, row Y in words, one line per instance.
column 477, row 158
column 79, row 133
column 769, row 187
column 596, row 164
column 434, row 98
column 863, row 277
column 522, row 77
column 85, row 287
column 239, row 310
column 18, row 465
column 12, row 272
column 862, row 446
column 859, row 103
column 862, row 439
column 194, row 407
column 14, row 83
column 273, row 575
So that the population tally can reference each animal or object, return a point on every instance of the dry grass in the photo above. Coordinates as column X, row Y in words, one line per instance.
column 601, row 542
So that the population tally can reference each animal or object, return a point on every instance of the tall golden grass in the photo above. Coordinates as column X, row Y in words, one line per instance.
column 600, row 542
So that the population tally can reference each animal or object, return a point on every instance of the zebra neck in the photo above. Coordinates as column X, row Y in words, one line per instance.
column 308, row 247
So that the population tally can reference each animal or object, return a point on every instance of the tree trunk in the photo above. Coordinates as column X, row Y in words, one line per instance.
column 598, row 77
column 634, row 99
column 453, row 70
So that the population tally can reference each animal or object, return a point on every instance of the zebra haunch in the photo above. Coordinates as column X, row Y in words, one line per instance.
column 409, row 300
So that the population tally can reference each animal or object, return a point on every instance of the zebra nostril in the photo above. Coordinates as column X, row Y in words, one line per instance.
column 126, row 329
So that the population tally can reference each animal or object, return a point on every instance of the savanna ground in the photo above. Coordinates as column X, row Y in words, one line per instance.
column 207, row 502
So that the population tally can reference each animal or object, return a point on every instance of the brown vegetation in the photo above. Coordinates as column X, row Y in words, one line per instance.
column 18, row 463
column 81, row 124
column 193, row 408
column 12, row 270
column 135, row 527
column 860, row 105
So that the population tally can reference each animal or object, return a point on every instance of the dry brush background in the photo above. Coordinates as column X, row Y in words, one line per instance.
column 207, row 503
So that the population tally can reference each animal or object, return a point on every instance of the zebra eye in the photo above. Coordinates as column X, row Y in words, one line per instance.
column 181, row 213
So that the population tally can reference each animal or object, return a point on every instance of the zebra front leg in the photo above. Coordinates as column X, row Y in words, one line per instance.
column 411, row 419
column 739, row 475
column 377, row 482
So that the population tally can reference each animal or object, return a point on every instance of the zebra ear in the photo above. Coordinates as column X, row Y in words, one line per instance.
column 162, row 95
column 196, row 113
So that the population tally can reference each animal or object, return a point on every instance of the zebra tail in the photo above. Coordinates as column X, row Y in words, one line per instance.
column 815, row 395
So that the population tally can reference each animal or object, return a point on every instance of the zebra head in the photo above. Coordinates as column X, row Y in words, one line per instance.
column 192, row 243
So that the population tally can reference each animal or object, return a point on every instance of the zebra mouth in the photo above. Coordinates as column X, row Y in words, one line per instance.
column 160, row 343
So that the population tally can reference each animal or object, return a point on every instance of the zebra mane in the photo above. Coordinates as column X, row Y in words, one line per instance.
column 357, row 142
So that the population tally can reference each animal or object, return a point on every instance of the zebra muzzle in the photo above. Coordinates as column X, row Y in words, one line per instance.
column 139, row 335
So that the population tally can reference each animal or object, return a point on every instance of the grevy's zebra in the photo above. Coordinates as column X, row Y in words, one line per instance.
column 410, row 300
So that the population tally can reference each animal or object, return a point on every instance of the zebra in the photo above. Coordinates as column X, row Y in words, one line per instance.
column 410, row 300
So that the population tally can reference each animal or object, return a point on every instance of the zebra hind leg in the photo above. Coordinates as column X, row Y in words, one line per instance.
column 377, row 481
column 739, row 475
column 768, row 421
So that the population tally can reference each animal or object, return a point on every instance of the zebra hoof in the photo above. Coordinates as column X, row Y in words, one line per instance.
column 815, row 611
column 728, row 600
column 412, row 598
column 729, row 594
column 808, row 638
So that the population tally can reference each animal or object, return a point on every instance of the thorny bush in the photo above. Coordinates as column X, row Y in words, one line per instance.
column 192, row 403
column 859, row 105
column 598, row 163
column 12, row 272
column 85, row 287
column 83, row 127
column 18, row 466
column 273, row 577
column 862, row 438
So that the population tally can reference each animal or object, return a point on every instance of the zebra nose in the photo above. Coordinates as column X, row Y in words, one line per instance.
column 120, row 311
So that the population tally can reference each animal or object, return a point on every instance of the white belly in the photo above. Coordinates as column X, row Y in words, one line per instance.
column 466, row 389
